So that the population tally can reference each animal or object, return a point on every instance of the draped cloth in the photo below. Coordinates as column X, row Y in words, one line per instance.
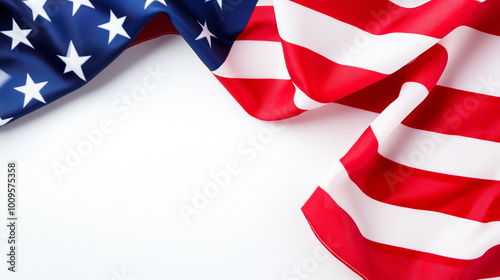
column 416, row 197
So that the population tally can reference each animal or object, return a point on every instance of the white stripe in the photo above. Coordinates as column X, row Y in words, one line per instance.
column 261, row 60
column 409, row 3
column 494, row 278
column 442, row 153
column 304, row 102
column 473, row 58
column 420, row 230
column 264, row 3
column 346, row 44
column 254, row 60
column 410, row 96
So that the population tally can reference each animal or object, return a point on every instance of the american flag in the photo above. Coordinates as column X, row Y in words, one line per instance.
column 416, row 197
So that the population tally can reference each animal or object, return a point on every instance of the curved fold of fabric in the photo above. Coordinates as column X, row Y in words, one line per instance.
column 417, row 196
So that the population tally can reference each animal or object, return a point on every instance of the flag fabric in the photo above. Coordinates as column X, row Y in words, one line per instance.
column 416, row 197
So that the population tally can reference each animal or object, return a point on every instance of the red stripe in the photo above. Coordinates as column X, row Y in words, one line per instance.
column 370, row 90
column 396, row 184
column 435, row 18
column 322, row 79
column 485, row 18
column 374, row 261
column 156, row 27
column 377, row 96
column 261, row 26
column 265, row 99
column 445, row 110
column 428, row 67
column 458, row 112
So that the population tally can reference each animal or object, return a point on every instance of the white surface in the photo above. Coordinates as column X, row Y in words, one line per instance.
column 117, row 216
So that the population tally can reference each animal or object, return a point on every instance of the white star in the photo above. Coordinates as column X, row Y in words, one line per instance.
column 18, row 35
column 114, row 26
column 73, row 61
column 4, row 122
column 31, row 90
column 36, row 7
column 218, row 2
column 4, row 77
column 78, row 3
column 205, row 33
column 148, row 2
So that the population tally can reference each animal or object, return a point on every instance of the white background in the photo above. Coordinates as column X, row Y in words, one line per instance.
column 116, row 215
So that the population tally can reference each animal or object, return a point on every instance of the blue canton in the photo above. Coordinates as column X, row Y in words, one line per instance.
column 49, row 48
